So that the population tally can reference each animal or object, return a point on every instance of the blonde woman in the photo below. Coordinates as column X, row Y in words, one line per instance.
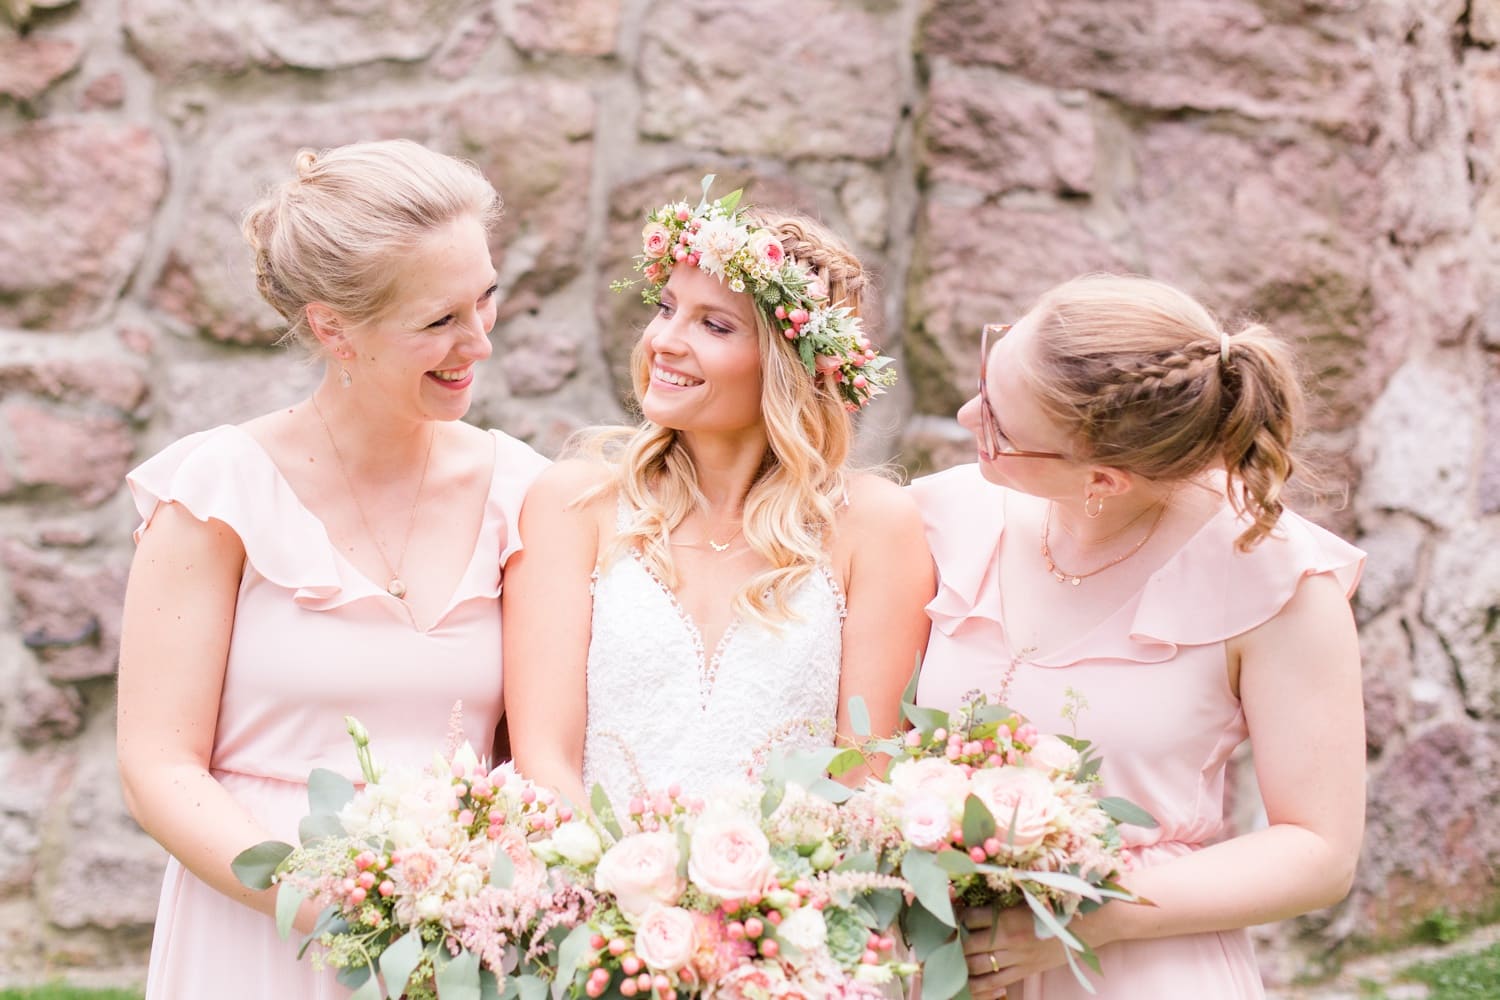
column 342, row 555
column 716, row 583
column 1119, row 561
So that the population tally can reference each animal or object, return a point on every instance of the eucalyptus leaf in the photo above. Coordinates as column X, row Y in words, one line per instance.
column 288, row 899
column 864, row 861
column 458, row 978
column 319, row 826
column 925, row 719
column 357, row 975
column 531, row 988
column 604, row 811
column 1061, row 880
column 930, row 884
column 945, row 972
column 831, row 790
column 771, row 797
column 399, row 960
column 571, row 952
column 956, row 863
column 909, row 693
column 924, row 932
column 328, row 791
column 489, row 986
column 846, row 761
column 1124, row 811
column 1047, row 923
column 369, row 989
column 255, row 866
column 859, row 716
column 502, row 871
column 330, row 921
column 979, row 824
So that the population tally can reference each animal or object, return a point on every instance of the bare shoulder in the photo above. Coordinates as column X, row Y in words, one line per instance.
column 878, row 502
column 564, row 483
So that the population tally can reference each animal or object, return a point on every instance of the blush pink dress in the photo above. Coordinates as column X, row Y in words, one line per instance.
column 313, row 640
column 1159, row 706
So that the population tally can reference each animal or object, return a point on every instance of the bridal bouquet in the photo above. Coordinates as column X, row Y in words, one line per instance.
column 766, row 893
column 980, row 808
column 429, row 879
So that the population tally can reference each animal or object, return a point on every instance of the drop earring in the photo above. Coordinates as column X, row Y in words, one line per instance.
column 345, row 379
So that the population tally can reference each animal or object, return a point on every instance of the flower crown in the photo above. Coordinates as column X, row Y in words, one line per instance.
column 716, row 238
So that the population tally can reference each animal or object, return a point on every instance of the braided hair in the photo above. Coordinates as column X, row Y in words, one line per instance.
column 1144, row 378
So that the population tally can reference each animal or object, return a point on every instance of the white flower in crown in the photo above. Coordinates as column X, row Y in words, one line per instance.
column 715, row 242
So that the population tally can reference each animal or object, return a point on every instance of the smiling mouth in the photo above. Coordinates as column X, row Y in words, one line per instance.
column 674, row 378
column 452, row 374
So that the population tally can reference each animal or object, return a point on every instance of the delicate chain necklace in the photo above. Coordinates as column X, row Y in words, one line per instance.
column 395, row 586
column 716, row 546
column 1063, row 576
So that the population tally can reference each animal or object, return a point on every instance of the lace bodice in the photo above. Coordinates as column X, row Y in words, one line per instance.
column 662, row 709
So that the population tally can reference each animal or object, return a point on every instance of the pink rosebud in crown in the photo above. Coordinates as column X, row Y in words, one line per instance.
column 653, row 272
column 816, row 289
column 655, row 239
column 766, row 247
column 829, row 362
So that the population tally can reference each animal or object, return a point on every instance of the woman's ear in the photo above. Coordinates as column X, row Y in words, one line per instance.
column 1108, row 481
column 328, row 327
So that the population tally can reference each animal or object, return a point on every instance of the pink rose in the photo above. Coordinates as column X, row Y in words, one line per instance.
column 748, row 982
column 926, row 822
column 729, row 857
column 931, row 777
column 653, row 272
column 641, row 872
column 1021, row 800
column 768, row 248
column 829, row 363
column 1049, row 753
column 664, row 938
column 655, row 239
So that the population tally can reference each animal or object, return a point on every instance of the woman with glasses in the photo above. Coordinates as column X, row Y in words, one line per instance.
column 1119, row 565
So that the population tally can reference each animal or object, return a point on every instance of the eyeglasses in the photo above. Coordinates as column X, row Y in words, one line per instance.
column 991, row 439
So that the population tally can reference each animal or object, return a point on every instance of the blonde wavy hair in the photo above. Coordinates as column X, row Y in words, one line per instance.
column 339, row 232
column 793, row 500
column 1145, row 379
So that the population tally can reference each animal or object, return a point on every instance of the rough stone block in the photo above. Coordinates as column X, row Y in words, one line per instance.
column 580, row 28
column 1461, row 603
column 84, row 454
column 1418, row 444
column 797, row 96
column 31, row 64
column 69, row 612
column 65, row 251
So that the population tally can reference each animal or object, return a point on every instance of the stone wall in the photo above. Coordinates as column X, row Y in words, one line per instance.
column 1331, row 166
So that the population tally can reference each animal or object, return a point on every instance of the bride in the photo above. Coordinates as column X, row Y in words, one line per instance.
column 716, row 583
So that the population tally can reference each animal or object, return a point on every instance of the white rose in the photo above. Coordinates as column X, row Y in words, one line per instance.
column 1051, row 754
column 641, row 872
column 805, row 930
column 931, row 777
column 577, row 843
column 666, row 938
column 926, row 822
column 1022, row 801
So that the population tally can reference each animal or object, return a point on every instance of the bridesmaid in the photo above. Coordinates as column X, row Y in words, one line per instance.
column 1120, row 560
column 339, row 556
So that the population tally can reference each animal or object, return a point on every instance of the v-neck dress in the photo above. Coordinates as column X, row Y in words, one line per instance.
column 1151, row 683
column 313, row 640
column 663, row 709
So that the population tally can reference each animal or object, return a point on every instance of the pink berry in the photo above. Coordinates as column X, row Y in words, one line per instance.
column 617, row 947
column 594, row 988
column 735, row 930
column 913, row 738
column 940, row 733
column 860, row 382
column 661, row 982
column 466, row 817
column 683, row 215
column 869, row 957
column 693, row 260
column 628, row 988
column 528, row 796
column 681, row 253
column 769, row 947
column 977, row 854
column 774, row 917
column 781, row 312
column 366, row 880
column 630, row 965
column 992, row 846
column 797, row 316
column 387, row 888
column 357, row 897
column 643, row 981
column 597, row 941
column 754, row 928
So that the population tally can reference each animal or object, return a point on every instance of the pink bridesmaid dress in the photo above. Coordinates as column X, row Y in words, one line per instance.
column 1159, row 706
column 313, row 640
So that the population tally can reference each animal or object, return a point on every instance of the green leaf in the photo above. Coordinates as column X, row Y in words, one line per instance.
column 357, row 975
column 368, row 990
column 930, row 884
column 956, row 863
column 846, row 761
column 531, row 988
column 925, row 719
column 458, row 979
column 1061, row 880
column 319, row 826
column 831, row 790
column 399, row 961
column 864, row 861
column 909, row 693
column 288, row 899
column 330, row 921
column 979, row 825
column 807, row 353
column 882, row 906
column 489, row 986
column 1047, row 923
column 708, row 182
column 502, row 871
column 945, row 972
column 859, row 716
column 571, row 952
column 328, row 791
column 924, row 932
column 771, row 798
column 1124, row 811
column 604, row 811
column 254, row 866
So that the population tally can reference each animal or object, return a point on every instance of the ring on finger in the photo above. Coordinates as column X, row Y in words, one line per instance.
column 994, row 963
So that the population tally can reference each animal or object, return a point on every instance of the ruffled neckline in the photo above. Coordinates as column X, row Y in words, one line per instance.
column 1205, row 592
column 226, row 474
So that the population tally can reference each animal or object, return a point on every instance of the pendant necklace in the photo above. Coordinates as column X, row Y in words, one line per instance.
column 1064, row 576
column 395, row 586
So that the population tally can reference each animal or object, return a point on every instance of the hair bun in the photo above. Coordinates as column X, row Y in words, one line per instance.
column 305, row 163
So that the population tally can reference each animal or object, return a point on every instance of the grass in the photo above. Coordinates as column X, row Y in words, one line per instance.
column 57, row 991
column 1462, row 977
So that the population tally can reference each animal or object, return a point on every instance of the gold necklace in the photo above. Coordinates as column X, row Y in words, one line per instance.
column 396, row 587
column 716, row 546
column 1063, row 576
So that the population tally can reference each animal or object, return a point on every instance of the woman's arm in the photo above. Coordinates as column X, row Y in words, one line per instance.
column 546, row 611
column 890, row 581
column 1299, row 681
column 179, row 614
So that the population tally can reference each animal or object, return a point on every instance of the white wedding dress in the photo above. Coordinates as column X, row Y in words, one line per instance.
column 662, row 710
